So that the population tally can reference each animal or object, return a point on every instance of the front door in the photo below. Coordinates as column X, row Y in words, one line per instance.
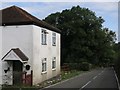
column 17, row 73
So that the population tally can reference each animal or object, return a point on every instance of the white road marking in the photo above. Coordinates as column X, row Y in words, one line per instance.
column 92, row 78
column 117, row 79
column 86, row 84
column 95, row 77
column 99, row 74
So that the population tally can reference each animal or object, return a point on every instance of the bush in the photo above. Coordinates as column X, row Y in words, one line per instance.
column 117, row 69
column 85, row 66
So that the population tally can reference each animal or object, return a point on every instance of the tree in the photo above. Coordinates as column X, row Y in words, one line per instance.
column 83, row 37
column 117, row 59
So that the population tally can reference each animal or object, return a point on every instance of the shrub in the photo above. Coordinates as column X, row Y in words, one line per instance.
column 85, row 66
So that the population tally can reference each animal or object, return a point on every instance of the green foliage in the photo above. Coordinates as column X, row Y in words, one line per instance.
column 85, row 66
column 117, row 59
column 74, row 66
column 83, row 37
column 70, row 74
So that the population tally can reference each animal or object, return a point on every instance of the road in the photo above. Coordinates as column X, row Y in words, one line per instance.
column 96, row 79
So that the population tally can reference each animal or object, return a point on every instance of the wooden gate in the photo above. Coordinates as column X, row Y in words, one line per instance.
column 27, row 78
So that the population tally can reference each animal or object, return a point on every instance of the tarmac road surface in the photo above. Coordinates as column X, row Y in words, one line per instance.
column 99, row 79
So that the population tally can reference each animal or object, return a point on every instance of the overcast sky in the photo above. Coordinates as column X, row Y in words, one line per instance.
column 108, row 10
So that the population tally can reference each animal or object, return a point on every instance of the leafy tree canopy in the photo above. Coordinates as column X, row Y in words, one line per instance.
column 83, row 36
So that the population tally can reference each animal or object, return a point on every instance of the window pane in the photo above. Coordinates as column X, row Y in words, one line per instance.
column 53, row 38
column 54, row 63
column 44, row 37
column 44, row 66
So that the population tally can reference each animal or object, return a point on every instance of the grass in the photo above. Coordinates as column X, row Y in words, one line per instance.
column 70, row 74
column 63, row 76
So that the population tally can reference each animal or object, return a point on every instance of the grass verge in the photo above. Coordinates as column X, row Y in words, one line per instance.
column 70, row 74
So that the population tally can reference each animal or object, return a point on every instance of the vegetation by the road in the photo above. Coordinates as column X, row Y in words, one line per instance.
column 63, row 76
column 117, row 59
column 84, row 39
column 70, row 74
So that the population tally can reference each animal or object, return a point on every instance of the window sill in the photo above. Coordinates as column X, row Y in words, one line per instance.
column 54, row 45
column 44, row 72
column 54, row 69
column 44, row 44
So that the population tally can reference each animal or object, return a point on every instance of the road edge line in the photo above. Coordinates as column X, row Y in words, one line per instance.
column 91, row 80
column 86, row 84
column 118, row 84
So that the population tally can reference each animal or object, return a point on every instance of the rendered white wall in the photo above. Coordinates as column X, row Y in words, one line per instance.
column 36, row 55
column 44, row 51
column 0, row 55
column 7, row 77
column 28, row 39
column 17, row 37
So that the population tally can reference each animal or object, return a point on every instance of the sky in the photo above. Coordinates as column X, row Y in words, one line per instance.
column 108, row 9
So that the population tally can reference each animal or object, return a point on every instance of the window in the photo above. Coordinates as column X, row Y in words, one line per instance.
column 44, row 65
column 53, row 38
column 44, row 37
column 54, row 63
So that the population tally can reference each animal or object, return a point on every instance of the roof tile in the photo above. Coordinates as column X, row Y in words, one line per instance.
column 16, row 16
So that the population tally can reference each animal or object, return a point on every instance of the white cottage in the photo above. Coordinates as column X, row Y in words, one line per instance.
column 29, row 48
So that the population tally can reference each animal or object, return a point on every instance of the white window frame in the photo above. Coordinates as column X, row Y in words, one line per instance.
column 44, row 65
column 44, row 37
column 53, row 63
column 53, row 38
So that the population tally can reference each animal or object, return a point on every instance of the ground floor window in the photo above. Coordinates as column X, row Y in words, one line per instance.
column 44, row 65
column 53, row 62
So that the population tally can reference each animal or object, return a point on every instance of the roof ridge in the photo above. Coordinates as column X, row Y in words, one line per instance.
column 19, row 16
column 8, row 7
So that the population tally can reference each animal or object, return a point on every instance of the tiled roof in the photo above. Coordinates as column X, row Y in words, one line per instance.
column 16, row 16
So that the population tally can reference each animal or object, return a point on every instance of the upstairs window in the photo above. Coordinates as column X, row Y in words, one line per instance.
column 54, row 63
column 44, row 37
column 44, row 65
column 54, row 39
